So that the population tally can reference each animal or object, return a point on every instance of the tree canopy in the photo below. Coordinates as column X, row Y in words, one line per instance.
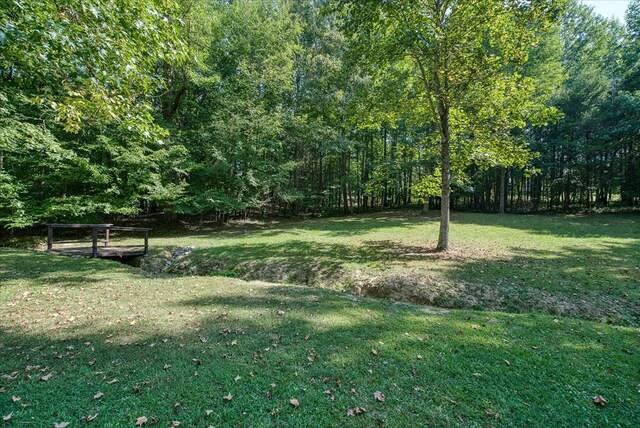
column 211, row 109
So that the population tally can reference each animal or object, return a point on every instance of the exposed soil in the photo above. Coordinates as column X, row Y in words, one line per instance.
column 409, row 285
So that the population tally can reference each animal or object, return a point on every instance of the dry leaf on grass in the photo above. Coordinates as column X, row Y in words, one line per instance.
column 89, row 418
column 228, row 397
column 599, row 401
column 141, row 420
column 46, row 377
column 295, row 403
column 379, row 396
column 61, row 425
column 98, row 395
column 355, row 411
column 7, row 417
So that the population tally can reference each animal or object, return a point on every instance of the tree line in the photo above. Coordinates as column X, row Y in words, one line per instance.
column 211, row 108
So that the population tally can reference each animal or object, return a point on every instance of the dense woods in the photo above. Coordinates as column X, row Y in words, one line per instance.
column 210, row 108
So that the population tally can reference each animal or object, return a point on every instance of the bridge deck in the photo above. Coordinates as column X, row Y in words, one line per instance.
column 102, row 252
column 100, row 248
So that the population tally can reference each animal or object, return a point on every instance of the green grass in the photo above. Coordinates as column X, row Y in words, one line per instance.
column 581, row 266
column 435, row 367
column 57, row 315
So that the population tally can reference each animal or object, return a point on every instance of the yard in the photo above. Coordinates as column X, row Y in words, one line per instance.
column 582, row 266
column 108, row 344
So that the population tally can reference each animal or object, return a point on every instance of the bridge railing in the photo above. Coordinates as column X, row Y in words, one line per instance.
column 95, row 251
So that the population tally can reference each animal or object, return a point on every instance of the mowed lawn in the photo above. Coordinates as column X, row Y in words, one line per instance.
column 93, row 338
column 580, row 266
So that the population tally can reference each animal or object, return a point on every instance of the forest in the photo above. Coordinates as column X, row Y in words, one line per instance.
column 213, row 109
column 319, row 213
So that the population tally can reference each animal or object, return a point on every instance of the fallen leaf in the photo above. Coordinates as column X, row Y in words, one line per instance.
column 379, row 396
column 507, row 362
column 98, row 395
column 599, row 401
column 237, row 378
column 141, row 421
column 46, row 377
column 175, row 424
column 374, row 352
column 281, row 312
column 228, row 397
column 234, row 342
column 112, row 381
column 7, row 417
column 92, row 362
column 208, row 412
column 15, row 399
column 307, row 337
column 61, row 425
column 420, row 357
column 167, row 366
column 495, row 416
column 355, row 411
column 90, row 417
column 295, row 403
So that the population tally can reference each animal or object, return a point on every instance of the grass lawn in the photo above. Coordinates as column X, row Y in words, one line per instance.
column 581, row 266
column 170, row 348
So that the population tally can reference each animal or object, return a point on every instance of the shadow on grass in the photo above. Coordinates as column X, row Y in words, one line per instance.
column 593, row 283
column 47, row 269
column 319, row 342
column 579, row 226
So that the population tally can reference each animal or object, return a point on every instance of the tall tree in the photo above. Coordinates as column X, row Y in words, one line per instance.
column 462, row 51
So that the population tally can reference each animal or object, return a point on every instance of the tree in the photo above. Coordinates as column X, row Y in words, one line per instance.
column 462, row 51
column 78, row 137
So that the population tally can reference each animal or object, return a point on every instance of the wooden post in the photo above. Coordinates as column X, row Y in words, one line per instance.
column 49, row 238
column 94, row 244
column 106, row 237
column 146, row 241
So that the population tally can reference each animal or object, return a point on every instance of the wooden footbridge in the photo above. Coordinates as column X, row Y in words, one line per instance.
column 99, row 246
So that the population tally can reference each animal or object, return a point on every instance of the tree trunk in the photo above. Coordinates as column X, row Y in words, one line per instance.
column 443, row 238
column 345, row 196
column 502, row 189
